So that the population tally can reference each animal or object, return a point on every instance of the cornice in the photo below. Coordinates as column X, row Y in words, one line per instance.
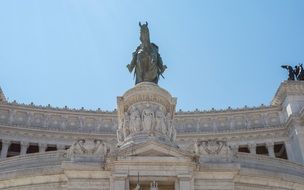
column 287, row 88
column 228, row 111
column 56, row 110
column 48, row 137
column 264, row 134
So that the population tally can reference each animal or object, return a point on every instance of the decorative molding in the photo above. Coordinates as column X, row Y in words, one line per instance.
column 288, row 88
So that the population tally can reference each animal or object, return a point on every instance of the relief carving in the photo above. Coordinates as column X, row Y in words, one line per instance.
column 125, row 127
column 160, row 122
column 209, row 147
column 213, row 150
column 147, row 119
column 86, row 147
column 119, row 133
column 135, row 121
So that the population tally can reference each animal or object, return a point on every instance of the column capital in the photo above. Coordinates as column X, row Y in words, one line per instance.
column 269, row 144
column 24, row 143
column 44, row 145
column 119, row 176
column 251, row 145
column 6, row 141
column 184, row 177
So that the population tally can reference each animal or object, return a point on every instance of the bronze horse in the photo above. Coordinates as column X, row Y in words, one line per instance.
column 299, row 72
column 296, row 73
column 146, row 59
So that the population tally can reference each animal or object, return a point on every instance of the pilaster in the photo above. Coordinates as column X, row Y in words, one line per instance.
column 119, row 181
column 270, row 148
column 289, row 149
column 185, row 182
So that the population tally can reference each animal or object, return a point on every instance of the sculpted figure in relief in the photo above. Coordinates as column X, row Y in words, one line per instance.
column 137, row 187
column 147, row 119
column 120, row 135
column 135, row 121
column 160, row 122
column 76, row 148
column 126, row 129
column 212, row 146
column 89, row 147
column 154, row 186
column 101, row 148
column 173, row 133
column 119, row 132
column 169, row 124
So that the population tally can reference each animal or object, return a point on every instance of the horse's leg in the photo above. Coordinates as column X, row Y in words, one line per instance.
column 301, row 76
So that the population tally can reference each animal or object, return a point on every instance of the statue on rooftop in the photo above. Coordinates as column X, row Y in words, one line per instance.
column 296, row 73
column 146, row 62
column 290, row 72
column 299, row 72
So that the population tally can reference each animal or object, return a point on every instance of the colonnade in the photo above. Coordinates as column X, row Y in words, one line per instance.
column 269, row 146
column 24, row 147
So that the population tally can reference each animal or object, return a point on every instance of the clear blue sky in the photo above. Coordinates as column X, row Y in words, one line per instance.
column 218, row 53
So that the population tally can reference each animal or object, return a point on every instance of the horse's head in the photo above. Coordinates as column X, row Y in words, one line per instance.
column 144, row 33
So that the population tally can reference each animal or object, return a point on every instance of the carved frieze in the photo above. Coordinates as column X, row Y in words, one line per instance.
column 146, row 118
column 146, row 111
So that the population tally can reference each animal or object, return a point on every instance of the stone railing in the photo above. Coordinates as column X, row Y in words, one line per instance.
column 258, row 161
column 33, row 160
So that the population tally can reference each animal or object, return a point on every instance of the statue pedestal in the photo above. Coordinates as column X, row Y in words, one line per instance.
column 145, row 113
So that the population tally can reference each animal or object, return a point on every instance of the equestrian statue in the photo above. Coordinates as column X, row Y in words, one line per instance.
column 146, row 62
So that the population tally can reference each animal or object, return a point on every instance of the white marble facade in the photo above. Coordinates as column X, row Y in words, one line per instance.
column 146, row 140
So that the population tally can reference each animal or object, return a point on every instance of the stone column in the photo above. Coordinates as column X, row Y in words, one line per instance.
column 119, row 182
column 299, row 130
column 289, row 150
column 24, row 146
column 270, row 148
column 5, row 146
column 184, row 182
column 42, row 147
column 252, row 148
